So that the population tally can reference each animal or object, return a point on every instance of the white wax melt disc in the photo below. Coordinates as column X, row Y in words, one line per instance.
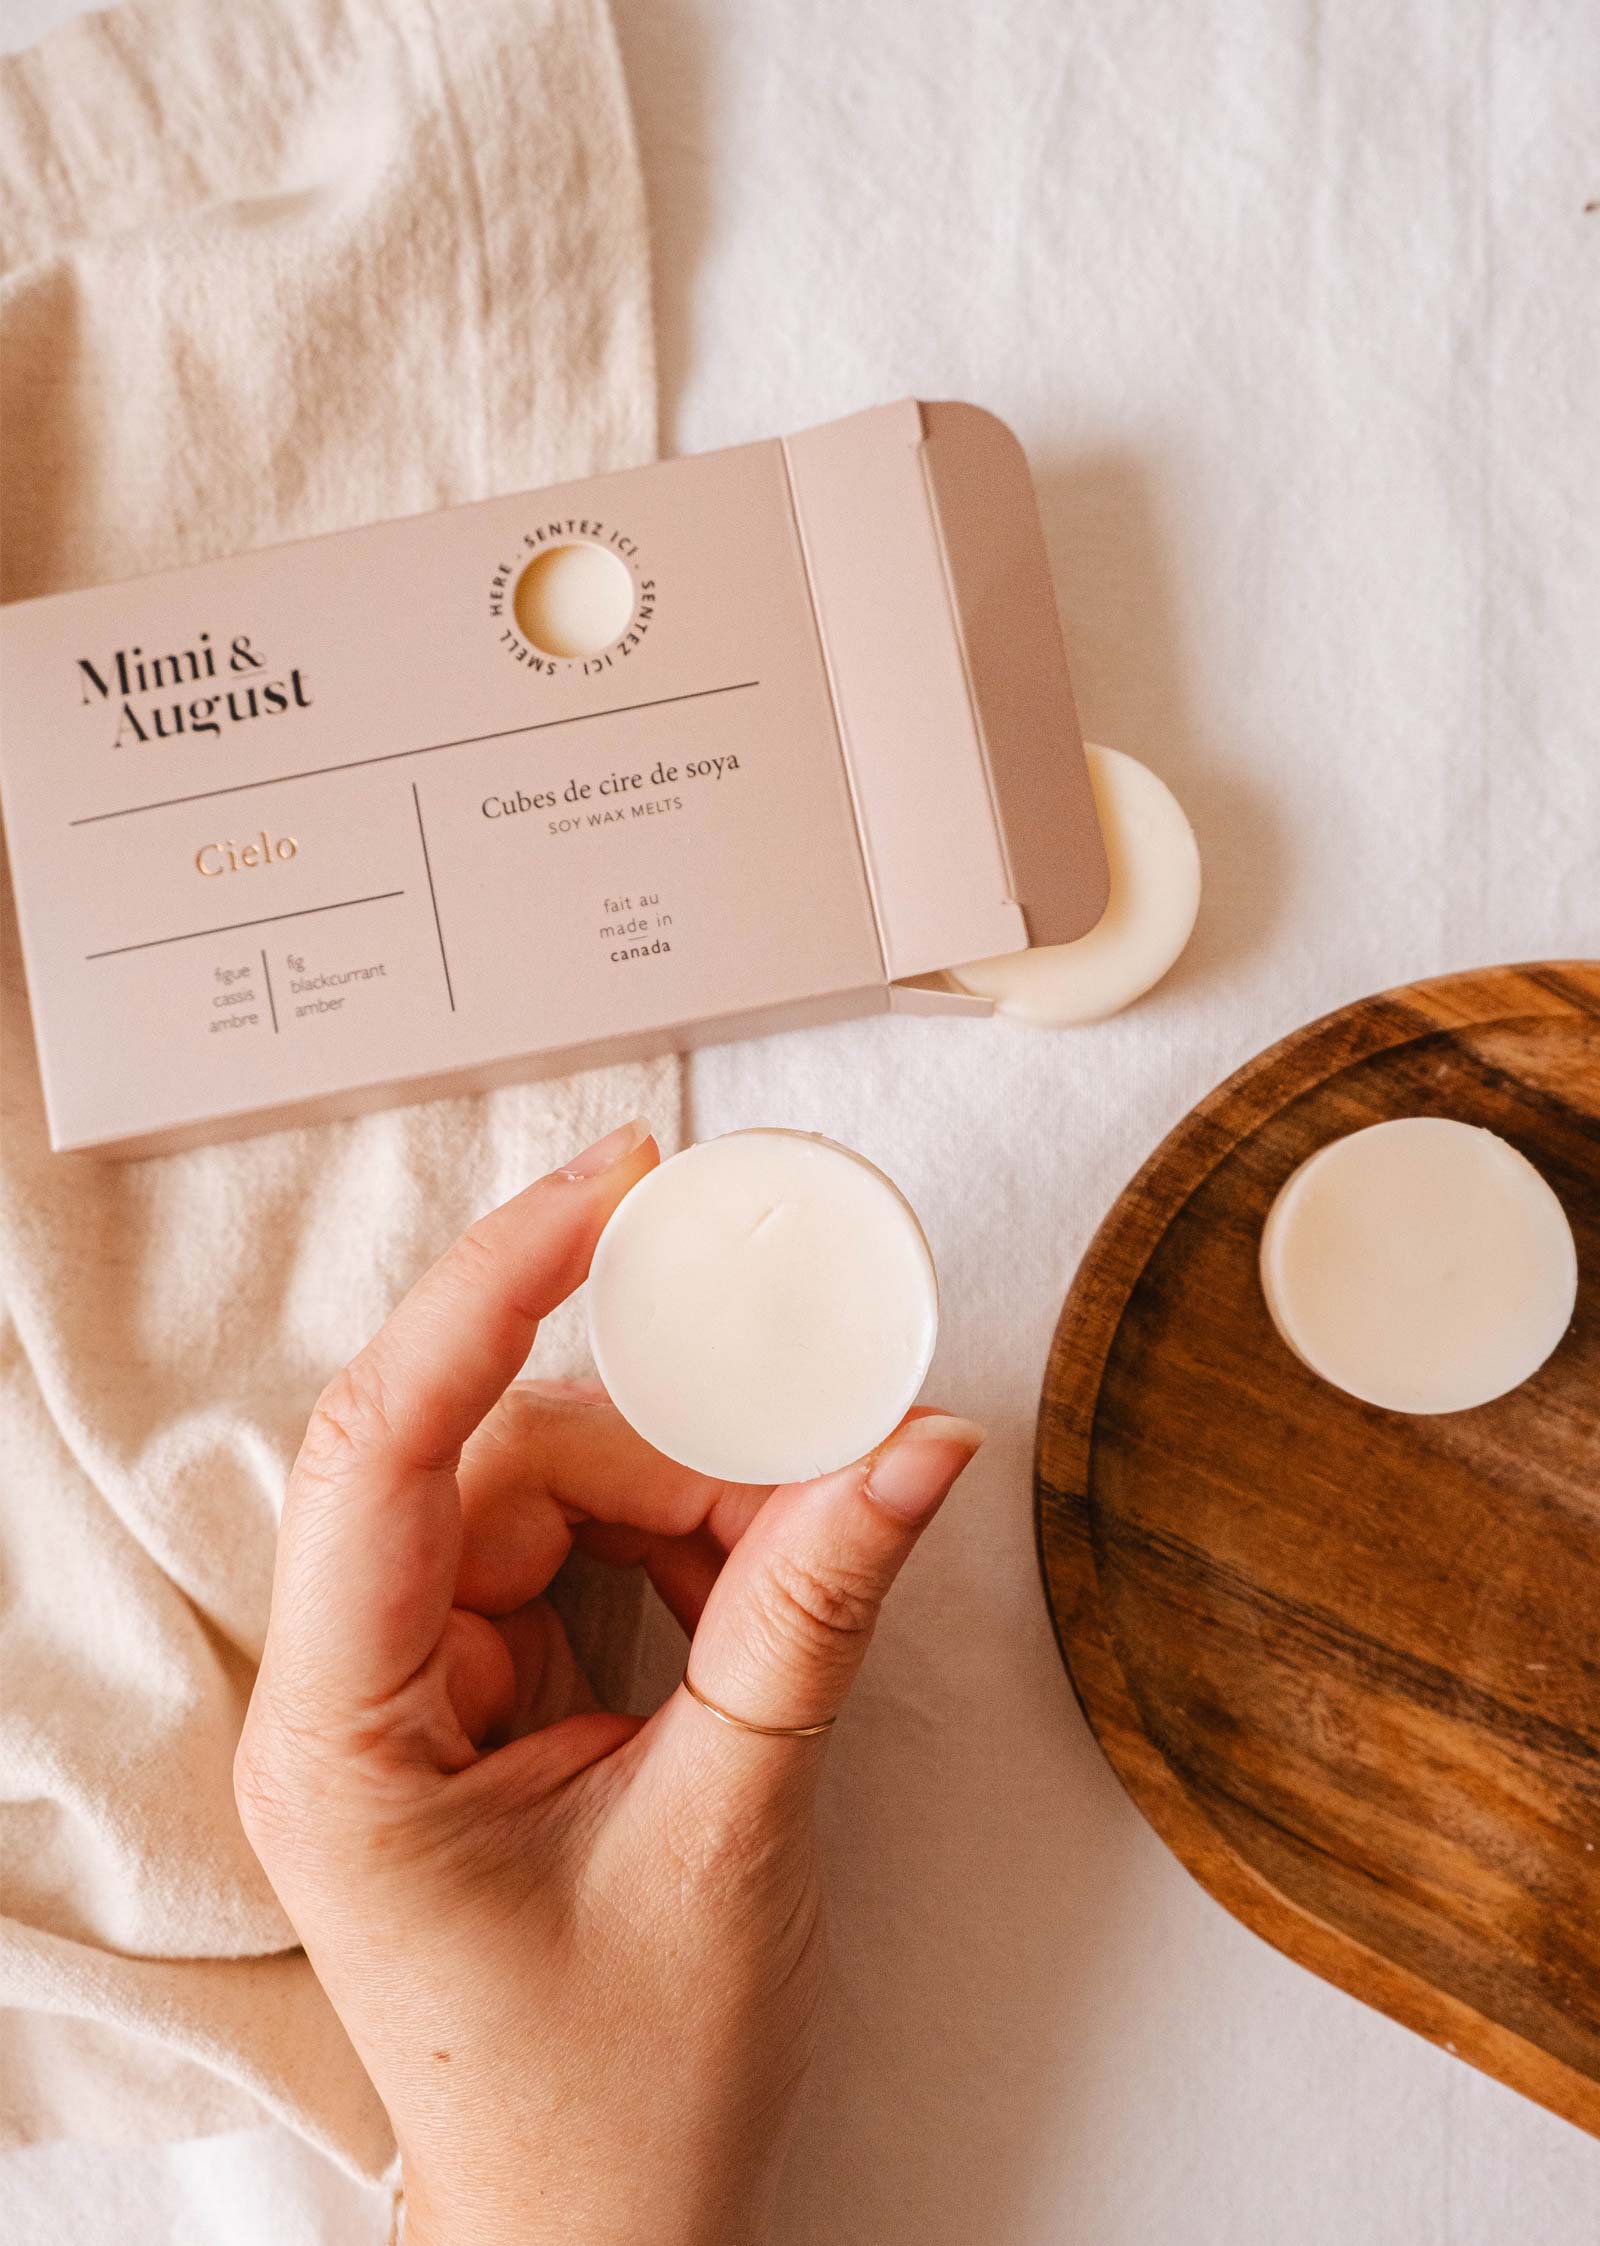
column 1423, row 1265
column 1155, row 894
column 763, row 1307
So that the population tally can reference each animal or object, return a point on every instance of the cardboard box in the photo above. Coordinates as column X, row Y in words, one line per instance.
column 325, row 827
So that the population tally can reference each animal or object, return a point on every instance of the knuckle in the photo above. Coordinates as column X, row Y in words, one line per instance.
column 474, row 1269
column 699, row 1843
column 713, row 1847
column 264, row 1791
column 350, row 1418
column 473, row 1253
column 301, row 1787
column 830, row 1606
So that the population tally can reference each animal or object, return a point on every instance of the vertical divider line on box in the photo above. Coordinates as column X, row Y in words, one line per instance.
column 433, row 899
column 266, row 976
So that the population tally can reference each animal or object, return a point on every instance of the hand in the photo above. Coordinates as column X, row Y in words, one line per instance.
column 578, row 1954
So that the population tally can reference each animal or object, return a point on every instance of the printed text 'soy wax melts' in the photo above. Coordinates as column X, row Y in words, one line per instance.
column 763, row 1307
column 1155, row 895
column 1423, row 1265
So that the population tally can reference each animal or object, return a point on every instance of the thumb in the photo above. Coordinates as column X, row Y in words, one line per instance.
column 789, row 1619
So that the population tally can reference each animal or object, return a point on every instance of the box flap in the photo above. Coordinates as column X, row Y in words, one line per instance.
column 962, row 744
column 1005, row 609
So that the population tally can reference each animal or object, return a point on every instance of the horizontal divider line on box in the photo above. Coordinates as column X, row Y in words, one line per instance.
column 429, row 748
column 193, row 935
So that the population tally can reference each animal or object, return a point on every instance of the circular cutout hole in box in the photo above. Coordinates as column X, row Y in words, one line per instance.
column 573, row 600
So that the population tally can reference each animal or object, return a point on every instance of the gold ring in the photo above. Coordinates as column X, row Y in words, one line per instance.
column 766, row 1730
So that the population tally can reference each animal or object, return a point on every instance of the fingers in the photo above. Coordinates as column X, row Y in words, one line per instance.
column 554, row 1455
column 787, row 1622
column 683, row 1571
column 371, row 1536
column 480, row 1681
column 549, row 1682
column 463, row 1333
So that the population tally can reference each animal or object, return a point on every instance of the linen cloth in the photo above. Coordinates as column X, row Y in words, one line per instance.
column 267, row 271
column 1294, row 308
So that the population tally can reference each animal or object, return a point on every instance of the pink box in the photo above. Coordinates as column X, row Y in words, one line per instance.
column 320, row 828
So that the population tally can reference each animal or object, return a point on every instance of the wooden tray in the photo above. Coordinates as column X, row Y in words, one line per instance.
column 1347, row 1662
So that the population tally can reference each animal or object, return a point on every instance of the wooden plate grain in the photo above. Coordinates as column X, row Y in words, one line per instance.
column 1347, row 1662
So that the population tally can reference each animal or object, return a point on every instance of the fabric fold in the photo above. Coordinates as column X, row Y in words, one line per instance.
column 264, row 272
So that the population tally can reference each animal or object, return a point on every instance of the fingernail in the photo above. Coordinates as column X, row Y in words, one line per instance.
column 606, row 1153
column 912, row 1473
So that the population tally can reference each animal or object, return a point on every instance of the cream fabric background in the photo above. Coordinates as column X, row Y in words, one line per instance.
column 264, row 271
column 1294, row 307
